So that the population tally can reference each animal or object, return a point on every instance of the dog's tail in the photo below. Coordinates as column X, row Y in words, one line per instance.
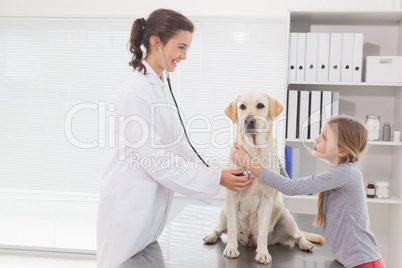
column 316, row 238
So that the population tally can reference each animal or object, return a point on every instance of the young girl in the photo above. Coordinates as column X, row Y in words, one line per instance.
column 342, row 208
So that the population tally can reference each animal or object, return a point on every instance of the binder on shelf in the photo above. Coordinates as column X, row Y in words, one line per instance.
column 335, row 54
column 311, row 57
column 292, row 115
column 323, row 57
column 304, row 104
column 335, row 103
column 295, row 162
column 292, row 158
column 357, row 58
column 288, row 160
column 348, row 41
column 326, row 106
column 301, row 56
column 315, row 114
column 292, row 57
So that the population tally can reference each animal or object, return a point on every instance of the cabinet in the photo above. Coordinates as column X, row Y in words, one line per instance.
column 382, row 37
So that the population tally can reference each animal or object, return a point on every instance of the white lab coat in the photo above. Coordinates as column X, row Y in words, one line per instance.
column 136, row 195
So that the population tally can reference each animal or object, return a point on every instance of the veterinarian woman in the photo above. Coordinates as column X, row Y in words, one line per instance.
column 342, row 207
column 152, row 158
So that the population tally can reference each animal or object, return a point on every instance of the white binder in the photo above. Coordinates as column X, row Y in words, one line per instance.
column 348, row 41
column 335, row 103
column 358, row 58
column 323, row 57
column 292, row 109
column 311, row 57
column 295, row 162
column 326, row 107
column 315, row 114
column 304, row 104
column 292, row 57
column 301, row 56
column 335, row 53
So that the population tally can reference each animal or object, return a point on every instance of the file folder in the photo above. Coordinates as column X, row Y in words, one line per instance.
column 358, row 58
column 335, row 54
column 304, row 104
column 326, row 106
column 288, row 160
column 311, row 57
column 335, row 103
column 292, row 57
column 295, row 162
column 348, row 41
column 292, row 115
column 315, row 114
column 323, row 57
column 301, row 57
column 292, row 158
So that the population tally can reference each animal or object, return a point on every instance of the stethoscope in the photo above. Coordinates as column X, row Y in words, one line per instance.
column 177, row 107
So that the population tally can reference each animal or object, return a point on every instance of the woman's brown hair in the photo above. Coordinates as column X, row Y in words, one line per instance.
column 352, row 137
column 163, row 23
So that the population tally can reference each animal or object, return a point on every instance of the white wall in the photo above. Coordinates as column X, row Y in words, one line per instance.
column 127, row 8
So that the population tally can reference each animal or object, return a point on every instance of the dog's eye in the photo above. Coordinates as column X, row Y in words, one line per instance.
column 242, row 107
column 260, row 106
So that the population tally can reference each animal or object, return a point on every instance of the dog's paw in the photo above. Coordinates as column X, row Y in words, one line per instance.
column 231, row 252
column 305, row 244
column 211, row 239
column 262, row 256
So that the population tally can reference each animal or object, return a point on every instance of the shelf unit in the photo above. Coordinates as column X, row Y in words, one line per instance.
column 375, row 143
column 383, row 161
column 393, row 198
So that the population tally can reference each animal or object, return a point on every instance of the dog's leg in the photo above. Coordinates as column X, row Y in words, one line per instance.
column 293, row 230
column 264, row 217
column 231, row 250
column 220, row 228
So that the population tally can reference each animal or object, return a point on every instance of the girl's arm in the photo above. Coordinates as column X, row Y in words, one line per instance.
column 330, row 179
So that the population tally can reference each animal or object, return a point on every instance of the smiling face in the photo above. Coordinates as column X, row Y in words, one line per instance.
column 175, row 50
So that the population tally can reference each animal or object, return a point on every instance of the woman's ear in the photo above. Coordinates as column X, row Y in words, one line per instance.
column 275, row 108
column 154, row 41
column 231, row 111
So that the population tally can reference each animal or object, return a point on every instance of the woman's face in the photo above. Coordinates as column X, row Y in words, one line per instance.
column 175, row 50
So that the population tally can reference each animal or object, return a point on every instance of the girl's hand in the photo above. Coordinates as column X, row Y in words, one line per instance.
column 235, row 183
column 239, row 156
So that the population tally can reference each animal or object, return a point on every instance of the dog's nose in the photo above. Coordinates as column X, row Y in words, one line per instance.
column 249, row 122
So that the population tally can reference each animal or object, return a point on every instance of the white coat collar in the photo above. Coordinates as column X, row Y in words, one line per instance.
column 151, row 76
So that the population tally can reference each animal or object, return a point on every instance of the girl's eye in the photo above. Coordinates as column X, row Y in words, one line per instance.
column 242, row 107
column 181, row 48
column 325, row 138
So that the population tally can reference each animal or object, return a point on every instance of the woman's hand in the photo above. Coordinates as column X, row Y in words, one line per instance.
column 239, row 156
column 235, row 183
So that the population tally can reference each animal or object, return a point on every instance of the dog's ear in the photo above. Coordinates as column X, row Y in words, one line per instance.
column 231, row 111
column 275, row 108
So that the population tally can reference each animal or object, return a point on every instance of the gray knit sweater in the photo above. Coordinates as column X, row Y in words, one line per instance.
column 347, row 225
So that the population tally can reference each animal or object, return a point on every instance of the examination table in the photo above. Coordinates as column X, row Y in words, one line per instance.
column 181, row 246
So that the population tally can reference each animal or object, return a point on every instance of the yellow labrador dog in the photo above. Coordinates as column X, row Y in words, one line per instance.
column 256, row 216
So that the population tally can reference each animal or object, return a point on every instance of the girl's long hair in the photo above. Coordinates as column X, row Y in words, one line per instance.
column 352, row 137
